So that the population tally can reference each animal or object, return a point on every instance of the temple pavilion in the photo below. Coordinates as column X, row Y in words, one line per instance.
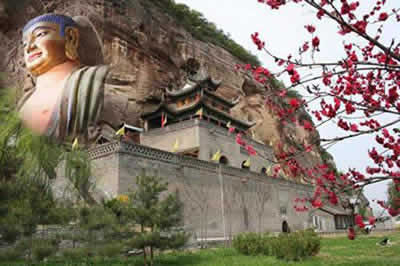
column 196, row 99
column 194, row 121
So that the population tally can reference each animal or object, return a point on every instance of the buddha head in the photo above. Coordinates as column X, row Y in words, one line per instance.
column 50, row 40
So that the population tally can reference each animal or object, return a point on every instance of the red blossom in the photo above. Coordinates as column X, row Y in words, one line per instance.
column 305, row 46
column 383, row 16
column 393, row 212
column 310, row 28
column 385, row 133
column 282, row 93
column 371, row 220
column 316, row 203
column 290, row 69
column 320, row 13
column 308, row 125
column 308, row 148
column 295, row 103
column 276, row 169
column 349, row 108
column 361, row 26
column 315, row 42
column 359, row 221
column 354, row 127
column 333, row 199
column 239, row 140
column 260, row 44
column 295, row 77
column 251, row 151
column 327, row 78
column 351, row 233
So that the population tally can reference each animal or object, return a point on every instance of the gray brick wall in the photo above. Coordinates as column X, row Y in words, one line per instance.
column 251, row 201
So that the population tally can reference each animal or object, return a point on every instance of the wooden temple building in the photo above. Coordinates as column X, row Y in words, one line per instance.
column 197, row 99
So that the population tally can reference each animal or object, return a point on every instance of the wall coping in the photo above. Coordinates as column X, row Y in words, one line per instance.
column 120, row 147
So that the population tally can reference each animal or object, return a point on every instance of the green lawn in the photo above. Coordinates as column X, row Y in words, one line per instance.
column 334, row 251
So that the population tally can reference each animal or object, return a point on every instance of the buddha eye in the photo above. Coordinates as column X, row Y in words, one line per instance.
column 41, row 34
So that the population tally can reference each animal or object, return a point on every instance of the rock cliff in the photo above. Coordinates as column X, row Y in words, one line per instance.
column 149, row 51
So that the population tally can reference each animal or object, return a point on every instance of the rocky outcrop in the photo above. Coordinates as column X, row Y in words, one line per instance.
column 148, row 52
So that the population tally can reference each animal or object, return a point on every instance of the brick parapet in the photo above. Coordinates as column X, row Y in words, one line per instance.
column 185, row 161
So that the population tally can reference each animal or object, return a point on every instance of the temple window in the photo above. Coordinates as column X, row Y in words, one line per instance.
column 263, row 170
column 223, row 160
column 179, row 103
column 187, row 100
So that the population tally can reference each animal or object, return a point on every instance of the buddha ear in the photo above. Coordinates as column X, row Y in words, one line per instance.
column 72, row 43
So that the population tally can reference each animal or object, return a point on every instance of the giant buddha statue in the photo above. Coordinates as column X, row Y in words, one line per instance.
column 68, row 93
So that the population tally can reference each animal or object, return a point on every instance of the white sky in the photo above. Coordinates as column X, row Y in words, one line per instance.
column 283, row 31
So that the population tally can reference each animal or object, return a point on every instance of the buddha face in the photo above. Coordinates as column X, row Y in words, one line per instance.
column 45, row 47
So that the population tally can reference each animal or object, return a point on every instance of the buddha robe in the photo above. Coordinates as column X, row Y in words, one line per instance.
column 79, row 106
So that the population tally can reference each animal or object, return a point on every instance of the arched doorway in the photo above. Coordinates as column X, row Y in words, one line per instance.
column 223, row 160
column 285, row 227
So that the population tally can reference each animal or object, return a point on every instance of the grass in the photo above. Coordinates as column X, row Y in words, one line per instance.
column 334, row 251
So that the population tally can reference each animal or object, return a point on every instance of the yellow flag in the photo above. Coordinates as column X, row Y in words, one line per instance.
column 247, row 162
column 199, row 112
column 75, row 144
column 216, row 156
column 120, row 131
column 268, row 172
column 253, row 134
column 176, row 146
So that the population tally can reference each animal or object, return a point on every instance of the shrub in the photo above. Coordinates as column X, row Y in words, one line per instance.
column 109, row 250
column 42, row 251
column 251, row 244
column 9, row 254
column 294, row 246
column 75, row 254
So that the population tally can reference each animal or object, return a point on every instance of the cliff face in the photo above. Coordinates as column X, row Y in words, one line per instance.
column 148, row 51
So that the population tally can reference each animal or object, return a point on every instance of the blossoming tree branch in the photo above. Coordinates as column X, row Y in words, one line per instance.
column 359, row 93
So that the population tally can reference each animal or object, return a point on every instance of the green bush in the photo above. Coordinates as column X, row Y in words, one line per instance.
column 250, row 244
column 43, row 251
column 9, row 254
column 294, row 246
column 109, row 250
column 75, row 254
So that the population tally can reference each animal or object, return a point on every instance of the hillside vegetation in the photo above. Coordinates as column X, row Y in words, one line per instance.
column 203, row 30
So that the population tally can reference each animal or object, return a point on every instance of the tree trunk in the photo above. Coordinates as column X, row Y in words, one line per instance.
column 144, row 247
column 151, row 250
column 151, row 255
column 144, row 256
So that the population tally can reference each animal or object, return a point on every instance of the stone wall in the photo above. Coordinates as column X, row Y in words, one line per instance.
column 208, row 138
column 215, row 196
